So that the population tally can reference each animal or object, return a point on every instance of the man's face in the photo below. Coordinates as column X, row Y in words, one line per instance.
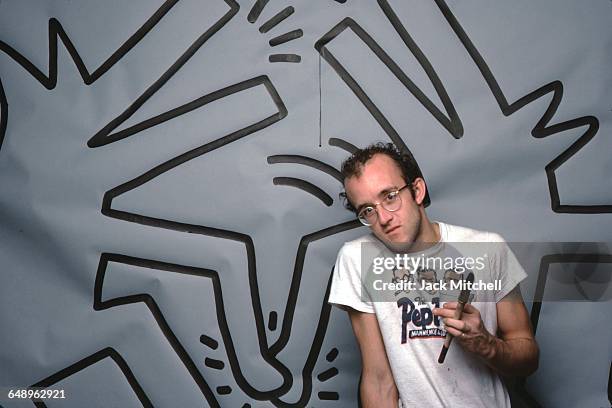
column 378, row 177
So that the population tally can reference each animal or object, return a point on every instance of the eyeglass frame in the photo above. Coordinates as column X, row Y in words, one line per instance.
column 374, row 205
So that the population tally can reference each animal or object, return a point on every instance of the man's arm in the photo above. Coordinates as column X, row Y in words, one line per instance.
column 377, row 385
column 514, row 353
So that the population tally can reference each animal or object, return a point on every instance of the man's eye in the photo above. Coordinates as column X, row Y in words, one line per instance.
column 367, row 212
column 391, row 196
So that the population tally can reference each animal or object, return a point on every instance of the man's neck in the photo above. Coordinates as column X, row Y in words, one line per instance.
column 430, row 232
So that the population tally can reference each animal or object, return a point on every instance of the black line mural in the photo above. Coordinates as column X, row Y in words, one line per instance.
column 343, row 144
column 89, row 361
column 307, row 161
column 104, row 136
column 274, row 21
column 277, row 19
column 56, row 31
column 256, row 10
column 316, row 384
column 285, row 58
column 541, row 129
column 453, row 123
column 303, row 184
column 283, row 38
column 306, row 186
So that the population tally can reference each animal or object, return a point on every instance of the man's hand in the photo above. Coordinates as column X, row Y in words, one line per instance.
column 514, row 352
column 469, row 330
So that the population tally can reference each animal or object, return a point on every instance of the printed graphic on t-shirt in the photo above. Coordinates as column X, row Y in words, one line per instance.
column 431, row 291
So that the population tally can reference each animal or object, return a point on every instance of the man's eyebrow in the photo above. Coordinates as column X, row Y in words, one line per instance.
column 387, row 191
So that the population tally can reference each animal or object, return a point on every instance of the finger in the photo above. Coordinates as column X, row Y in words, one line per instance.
column 453, row 323
column 460, row 325
column 444, row 312
column 454, row 332
column 450, row 305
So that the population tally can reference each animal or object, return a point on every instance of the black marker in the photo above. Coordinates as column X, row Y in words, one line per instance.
column 464, row 297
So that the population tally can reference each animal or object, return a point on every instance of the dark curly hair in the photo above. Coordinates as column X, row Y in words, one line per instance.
column 404, row 159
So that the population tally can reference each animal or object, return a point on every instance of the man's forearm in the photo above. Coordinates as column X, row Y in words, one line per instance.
column 378, row 393
column 512, row 357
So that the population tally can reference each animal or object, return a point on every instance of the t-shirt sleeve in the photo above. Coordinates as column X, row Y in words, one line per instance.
column 505, row 267
column 346, row 286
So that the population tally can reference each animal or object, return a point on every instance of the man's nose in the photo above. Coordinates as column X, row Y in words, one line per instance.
column 384, row 216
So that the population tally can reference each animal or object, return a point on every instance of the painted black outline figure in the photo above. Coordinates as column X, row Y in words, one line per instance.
column 268, row 353
column 107, row 210
column 107, row 352
column 104, row 136
column 198, row 151
column 149, row 301
column 293, row 295
column 317, row 342
column 452, row 122
column 297, row 276
column 57, row 31
column 541, row 128
column 49, row 81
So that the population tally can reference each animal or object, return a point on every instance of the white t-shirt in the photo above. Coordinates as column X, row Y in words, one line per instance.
column 412, row 336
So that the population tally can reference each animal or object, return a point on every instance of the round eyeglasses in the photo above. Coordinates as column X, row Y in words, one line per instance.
column 392, row 202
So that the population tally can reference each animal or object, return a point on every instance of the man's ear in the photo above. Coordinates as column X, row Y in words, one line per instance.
column 419, row 189
column 346, row 202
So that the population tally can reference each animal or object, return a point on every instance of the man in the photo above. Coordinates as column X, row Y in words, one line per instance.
column 400, row 340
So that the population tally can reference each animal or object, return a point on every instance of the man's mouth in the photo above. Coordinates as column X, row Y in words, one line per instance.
column 390, row 230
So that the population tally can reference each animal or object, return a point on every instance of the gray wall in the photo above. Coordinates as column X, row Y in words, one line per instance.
column 154, row 247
